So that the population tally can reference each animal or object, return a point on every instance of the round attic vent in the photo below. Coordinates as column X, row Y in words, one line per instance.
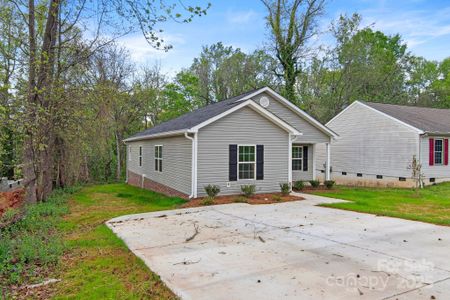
column 264, row 101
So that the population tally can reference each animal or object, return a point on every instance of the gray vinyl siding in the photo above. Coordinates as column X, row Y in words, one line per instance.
column 176, row 165
column 369, row 143
column 244, row 126
column 305, row 175
column 310, row 133
column 435, row 171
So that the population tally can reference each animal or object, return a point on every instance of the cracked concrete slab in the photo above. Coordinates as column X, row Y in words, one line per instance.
column 293, row 250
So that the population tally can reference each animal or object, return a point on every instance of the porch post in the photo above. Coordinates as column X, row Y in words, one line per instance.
column 327, row 170
column 290, row 159
column 314, row 161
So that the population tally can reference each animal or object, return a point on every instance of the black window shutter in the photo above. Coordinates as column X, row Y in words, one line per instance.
column 232, row 161
column 259, row 162
column 305, row 158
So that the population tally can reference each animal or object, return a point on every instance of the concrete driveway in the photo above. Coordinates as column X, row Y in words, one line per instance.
column 292, row 250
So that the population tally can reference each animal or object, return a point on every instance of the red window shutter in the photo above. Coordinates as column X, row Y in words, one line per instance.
column 431, row 142
column 446, row 152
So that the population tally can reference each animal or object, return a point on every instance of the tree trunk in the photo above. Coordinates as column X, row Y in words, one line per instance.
column 28, row 167
column 38, row 143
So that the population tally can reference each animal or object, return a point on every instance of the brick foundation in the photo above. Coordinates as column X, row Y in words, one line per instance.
column 136, row 180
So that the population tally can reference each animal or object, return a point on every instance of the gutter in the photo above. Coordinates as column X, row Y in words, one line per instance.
column 194, row 163
column 163, row 134
column 430, row 133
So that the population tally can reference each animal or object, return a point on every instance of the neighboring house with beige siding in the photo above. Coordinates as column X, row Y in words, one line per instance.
column 377, row 143
column 257, row 138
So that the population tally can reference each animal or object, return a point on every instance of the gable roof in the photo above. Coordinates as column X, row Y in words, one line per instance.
column 294, row 108
column 429, row 120
column 192, row 121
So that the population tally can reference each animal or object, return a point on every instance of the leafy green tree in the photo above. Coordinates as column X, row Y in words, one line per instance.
column 224, row 72
column 52, row 28
column 441, row 86
column 10, row 42
column 422, row 74
column 364, row 65
column 180, row 96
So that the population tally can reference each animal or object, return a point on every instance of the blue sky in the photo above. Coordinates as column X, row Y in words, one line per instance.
column 424, row 26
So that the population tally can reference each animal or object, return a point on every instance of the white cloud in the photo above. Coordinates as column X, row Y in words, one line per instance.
column 141, row 51
column 241, row 17
column 416, row 27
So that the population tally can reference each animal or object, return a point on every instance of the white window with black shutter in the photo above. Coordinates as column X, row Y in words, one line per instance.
column 246, row 162
column 140, row 156
column 299, row 158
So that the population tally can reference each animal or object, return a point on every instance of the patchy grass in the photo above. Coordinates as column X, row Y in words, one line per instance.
column 431, row 204
column 97, row 264
column 30, row 244
column 65, row 238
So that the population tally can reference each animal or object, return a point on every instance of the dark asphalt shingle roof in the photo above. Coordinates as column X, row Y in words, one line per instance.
column 432, row 120
column 195, row 117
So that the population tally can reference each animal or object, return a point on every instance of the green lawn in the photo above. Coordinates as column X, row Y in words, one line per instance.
column 97, row 264
column 431, row 204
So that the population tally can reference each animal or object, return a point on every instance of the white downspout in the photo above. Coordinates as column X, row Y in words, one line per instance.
column 194, row 165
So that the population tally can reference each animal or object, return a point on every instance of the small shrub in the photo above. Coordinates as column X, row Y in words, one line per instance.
column 240, row 199
column 207, row 201
column 285, row 188
column 276, row 198
column 329, row 184
column 248, row 190
column 299, row 185
column 314, row 183
column 212, row 190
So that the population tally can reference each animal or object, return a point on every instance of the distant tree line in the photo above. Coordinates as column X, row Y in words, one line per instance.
column 67, row 99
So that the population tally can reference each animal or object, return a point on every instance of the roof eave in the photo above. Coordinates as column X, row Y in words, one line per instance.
column 311, row 120
column 267, row 114
column 418, row 130
column 156, row 135
column 435, row 133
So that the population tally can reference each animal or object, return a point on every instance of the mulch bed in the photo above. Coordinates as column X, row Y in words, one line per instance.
column 255, row 199
column 11, row 199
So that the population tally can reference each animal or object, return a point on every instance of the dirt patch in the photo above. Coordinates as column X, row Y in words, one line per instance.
column 322, row 189
column 425, row 209
column 11, row 199
column 255, row 199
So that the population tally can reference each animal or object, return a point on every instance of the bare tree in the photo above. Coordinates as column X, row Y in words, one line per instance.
column 416, row 173
column 292, row 23
column 64, row 22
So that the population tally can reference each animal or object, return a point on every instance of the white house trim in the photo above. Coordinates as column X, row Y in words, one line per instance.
column 156, row 135
column 328, row 162
column 314, row 161
column 257, row 108
column 238, row 162
column 342, row 111
column 290, row 160
column 419, row 131
column 289, row 104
